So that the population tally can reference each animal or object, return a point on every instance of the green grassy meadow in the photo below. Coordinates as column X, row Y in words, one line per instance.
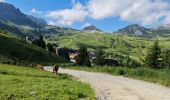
column 135, row 47
column 23, row 83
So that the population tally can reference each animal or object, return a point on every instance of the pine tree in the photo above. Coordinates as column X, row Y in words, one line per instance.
column 153, row 56
column 83, row 57
column 50, row 47
column 64, row 52
column 99, row 57
column 40, row 42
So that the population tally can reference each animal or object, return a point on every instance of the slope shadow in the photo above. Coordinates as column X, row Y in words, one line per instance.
column 90, row 46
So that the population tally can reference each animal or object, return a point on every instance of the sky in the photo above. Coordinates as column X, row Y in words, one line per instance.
column 108, row 15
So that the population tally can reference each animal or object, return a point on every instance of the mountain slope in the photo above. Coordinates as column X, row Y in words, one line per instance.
column 22, row 25
column 4, row 25
column 13, row 49
column 163, row 29
column 134, row 29
column 14, row 15
column 50, row 29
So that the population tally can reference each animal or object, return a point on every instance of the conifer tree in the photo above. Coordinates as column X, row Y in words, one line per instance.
column 40, row 42
column 83, row 57
column 99, row 57
column 153, row 56
column 50, row 47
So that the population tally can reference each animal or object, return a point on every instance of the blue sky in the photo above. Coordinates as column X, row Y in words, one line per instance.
column 108, row 15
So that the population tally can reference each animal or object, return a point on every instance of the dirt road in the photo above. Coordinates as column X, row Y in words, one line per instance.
column 109, row 87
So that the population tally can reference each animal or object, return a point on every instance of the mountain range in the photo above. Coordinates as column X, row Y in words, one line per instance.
column 14, row 21
column 138, row 30
column 134, row 29
column 14, row 15
column 20, row 24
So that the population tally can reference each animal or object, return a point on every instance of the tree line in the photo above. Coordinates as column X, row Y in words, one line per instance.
column 156, row 57
column 63, row 52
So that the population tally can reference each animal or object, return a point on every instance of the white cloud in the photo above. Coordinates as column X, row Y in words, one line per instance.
column 35, row 11
column 51, row 22
column 2, row 0
column 141, row 11
column 68, row 16
column 145, row 12
column 99, row 9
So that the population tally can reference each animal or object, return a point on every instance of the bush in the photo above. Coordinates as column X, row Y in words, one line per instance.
column 120, row 71
column 166, row 58
column 134, row 63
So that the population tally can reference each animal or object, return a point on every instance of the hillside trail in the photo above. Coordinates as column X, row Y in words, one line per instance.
column 109, row 87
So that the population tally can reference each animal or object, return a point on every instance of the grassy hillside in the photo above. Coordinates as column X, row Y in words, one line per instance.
column 136, row 47
column 13, row 49
column 22, row 83
column 78, row 39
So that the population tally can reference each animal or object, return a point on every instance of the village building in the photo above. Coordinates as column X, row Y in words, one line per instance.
column 73, row 57
column 110, row 61
column 56, row 48
column 29, row 39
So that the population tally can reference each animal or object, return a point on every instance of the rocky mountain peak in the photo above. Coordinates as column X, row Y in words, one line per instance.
column 92, row 28
column 134, row 29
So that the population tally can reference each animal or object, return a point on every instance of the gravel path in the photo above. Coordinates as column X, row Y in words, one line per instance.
column 109, row 87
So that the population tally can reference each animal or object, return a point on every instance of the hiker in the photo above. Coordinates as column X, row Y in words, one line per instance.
column 55, row 69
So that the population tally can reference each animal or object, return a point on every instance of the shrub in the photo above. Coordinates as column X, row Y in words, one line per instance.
column 120, row 71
